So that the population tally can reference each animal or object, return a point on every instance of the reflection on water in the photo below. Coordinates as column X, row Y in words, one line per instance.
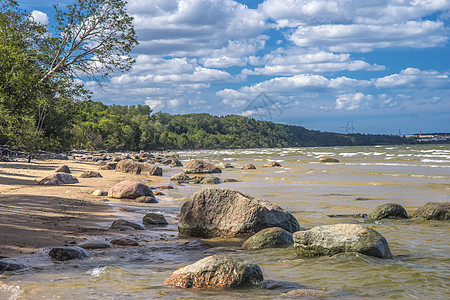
column 365, row 178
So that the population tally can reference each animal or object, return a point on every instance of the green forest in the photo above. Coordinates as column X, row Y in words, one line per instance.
column 43, row 103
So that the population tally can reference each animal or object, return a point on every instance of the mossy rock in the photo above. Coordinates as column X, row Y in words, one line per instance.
column 389, row 211
column 274, row 237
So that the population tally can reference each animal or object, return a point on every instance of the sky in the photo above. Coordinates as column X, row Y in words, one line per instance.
column 376, row 66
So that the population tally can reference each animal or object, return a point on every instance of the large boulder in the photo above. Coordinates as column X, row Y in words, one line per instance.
column 274, row 237
column 433, row 211
column 58, row 178
column 130, row 189
column 200, row 167
column 68, row 253
column 134, row 167
column 63, row 169
column 11, row 265
column 338, row 238
column 223, row 212
column 389, row 211
column 215, row 272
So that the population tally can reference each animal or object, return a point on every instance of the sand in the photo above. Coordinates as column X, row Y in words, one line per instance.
column 34, row 216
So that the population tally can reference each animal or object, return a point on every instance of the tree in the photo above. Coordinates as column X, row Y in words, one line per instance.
column 91, row 38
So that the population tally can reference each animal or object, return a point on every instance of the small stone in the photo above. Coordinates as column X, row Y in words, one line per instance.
column 63, row 169
column 210, row 180
column 272, row 164
column 68, row 253
column 11, row 265
column 95, row 244
column 146, row 199
column 328, row 160
column 180, row 177
column 306, row 293
column 123, row 224
column 248, row 167
column 154, row 219
column 90, row 174
column 100, row 193
column 124, row 242
column 274, row 237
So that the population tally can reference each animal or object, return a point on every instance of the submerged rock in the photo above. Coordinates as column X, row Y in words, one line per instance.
column 11, row 265
column 130, row 189
column 230, row 180
column 306, row 293
column 68, row 253
column 248, row 167
column 433, row 211
column 100, row 193
column 272, row 164
column 223, row 212
column 334, row 239
column 389, row 211
column 328, row 160
column 124, row 224
column 154, row 219
column 58, row 178
column 95, row 244
column 362, row 216
column 210, row 180
column 215, row 272
column 146, row 199
column 90, row 174
column 124, row 242
column 196, row 245
column 63, row 169
column 200, row 167
column 225, row 165
column 274, row 237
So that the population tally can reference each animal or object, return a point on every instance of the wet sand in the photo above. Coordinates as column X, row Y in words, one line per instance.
column 35, row 216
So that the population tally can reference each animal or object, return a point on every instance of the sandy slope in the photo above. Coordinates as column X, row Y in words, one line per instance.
column 33, row 216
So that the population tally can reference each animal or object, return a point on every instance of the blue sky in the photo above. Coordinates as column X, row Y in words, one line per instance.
column 380, row 65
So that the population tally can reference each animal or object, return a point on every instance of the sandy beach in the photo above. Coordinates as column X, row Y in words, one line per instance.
column 35, row 216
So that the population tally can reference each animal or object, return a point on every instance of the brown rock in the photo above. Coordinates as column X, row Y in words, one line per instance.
column 133, row 167
column 200, row 167
column 90, row 174
column 124, row 242
column 129, row 189
column 248, row 167
column 109, row 166
column 63, row 169
column 58, row 178
column 306, row 293
column 154, row 219
column 272, row 164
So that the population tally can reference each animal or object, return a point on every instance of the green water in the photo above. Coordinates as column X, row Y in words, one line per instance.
column 365, row 178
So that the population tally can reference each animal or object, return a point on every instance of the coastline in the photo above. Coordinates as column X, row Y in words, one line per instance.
column 35, row 216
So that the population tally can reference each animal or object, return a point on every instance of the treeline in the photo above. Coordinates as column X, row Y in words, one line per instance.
column 94, row 125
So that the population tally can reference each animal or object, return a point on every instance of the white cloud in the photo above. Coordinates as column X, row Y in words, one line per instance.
column 353, row 101
column 39, row 17
column 412, row 77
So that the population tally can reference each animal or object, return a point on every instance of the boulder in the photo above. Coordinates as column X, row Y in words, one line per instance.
column 90, row 174
column 133, row 167
column 274, row 237
column 95, row 244
column 129, row 189
column 100, row 193
column 124, row 242
column 223, row 212
column 58, row 178
column 63, row 169
column 210, row 180
column 154, row 219
column 328, row 160
column 333, row 239
column 272, row 164
column 111, row 165
column 215, row 272
column 172, row 163
column 146, row 199
column 433, row 211
column 248, row 167
column 125, row 225
column 389, row 211
column 200, row 167
column 68, row 253
column 180, row 177
column 11, row 265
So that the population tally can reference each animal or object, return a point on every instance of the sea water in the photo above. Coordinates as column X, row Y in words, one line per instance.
column 364, row 178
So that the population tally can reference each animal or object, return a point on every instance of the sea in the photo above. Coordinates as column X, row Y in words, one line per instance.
column 365, row 177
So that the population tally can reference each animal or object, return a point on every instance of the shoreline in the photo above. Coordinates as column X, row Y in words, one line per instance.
column 35, row 216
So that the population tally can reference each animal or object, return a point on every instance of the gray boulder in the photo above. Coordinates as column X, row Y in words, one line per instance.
column 274, row 237
column 90, row 174
column 154, row 219
column 68, row 253
column 216, row 272
column 200, row 167
column 134, row 167
column 433, row 211
column 223, row 212
column 63, row 169
column 95, row 244
column 389, row 211
column 122, row 224
column 333, row 239
column 58, row 179
column 130, row 189
column 11, row 265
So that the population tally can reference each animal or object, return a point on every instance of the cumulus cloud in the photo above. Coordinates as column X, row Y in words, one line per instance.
column 413, row 77
column 39, row 17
